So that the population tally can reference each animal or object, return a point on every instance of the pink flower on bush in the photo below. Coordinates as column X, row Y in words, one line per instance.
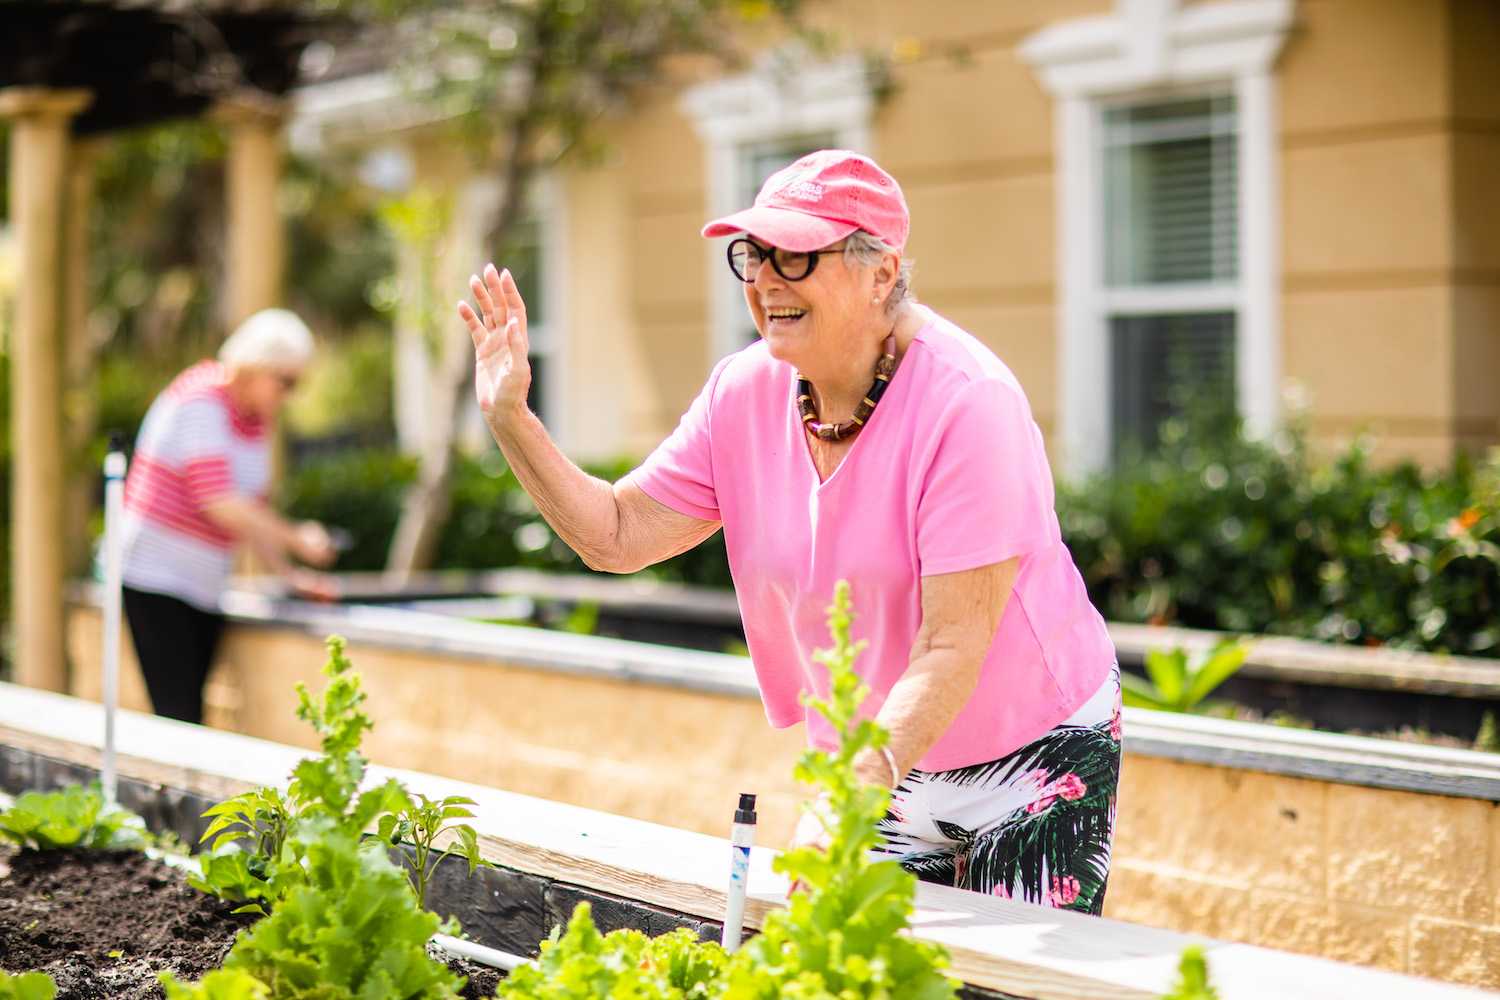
column 1064, row 890
column 1070, row 786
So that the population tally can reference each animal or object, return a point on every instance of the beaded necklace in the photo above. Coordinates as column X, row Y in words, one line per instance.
column 808, row 410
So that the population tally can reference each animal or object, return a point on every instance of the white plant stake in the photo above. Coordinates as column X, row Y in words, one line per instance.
column 741, row 839
column 114, row 505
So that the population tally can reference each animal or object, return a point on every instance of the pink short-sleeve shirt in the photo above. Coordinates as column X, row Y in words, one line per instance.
column 949, row 475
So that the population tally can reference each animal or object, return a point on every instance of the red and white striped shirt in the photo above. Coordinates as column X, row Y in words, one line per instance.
column 195, row 449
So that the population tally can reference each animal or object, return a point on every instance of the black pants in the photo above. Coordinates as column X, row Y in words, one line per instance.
column 175, row 643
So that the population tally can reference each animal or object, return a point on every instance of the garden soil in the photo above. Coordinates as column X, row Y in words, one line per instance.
column 103, row 924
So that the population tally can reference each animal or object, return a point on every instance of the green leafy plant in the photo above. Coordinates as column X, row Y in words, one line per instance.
column 27, row 986
column 278, row 825
column 418, row 821
column 1176, row 682
column 841, row 933
column 71, row 817
column 583, row 964
column 1192, row 978
column 352, row 931
column 344, row 923
column 217, row 984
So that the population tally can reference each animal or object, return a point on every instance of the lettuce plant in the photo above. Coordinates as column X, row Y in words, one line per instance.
column 27, row 986
column 278, row 824
column 353, row 931
column 71, row 817
column 217, row 984
column 583, row 964
column 841, row 936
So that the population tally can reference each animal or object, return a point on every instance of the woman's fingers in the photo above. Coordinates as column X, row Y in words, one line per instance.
column 483, row 300
column 477, row 330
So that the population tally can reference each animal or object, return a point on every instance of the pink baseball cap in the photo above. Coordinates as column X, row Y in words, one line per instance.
column 819, row 200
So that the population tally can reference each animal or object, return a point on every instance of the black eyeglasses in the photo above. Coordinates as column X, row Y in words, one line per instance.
column 746, row 256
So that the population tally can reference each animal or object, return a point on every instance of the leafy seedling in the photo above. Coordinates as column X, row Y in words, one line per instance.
column 1192, row 978
column 418, row 821
column 1175, row 682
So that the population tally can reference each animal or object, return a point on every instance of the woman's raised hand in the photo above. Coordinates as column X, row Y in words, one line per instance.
column 502, row 373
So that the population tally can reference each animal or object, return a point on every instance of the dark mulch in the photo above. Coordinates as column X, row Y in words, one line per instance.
column 103, row 924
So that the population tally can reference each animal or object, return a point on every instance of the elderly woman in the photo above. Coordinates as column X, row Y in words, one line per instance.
column 196, row 489
column 865, row 437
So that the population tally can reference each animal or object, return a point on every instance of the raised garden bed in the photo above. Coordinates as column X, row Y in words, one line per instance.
column 656, row 877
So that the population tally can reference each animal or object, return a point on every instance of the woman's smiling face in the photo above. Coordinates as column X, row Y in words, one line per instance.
column 803, row 321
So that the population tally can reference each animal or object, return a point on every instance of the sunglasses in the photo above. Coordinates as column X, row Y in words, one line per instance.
column 746, row 256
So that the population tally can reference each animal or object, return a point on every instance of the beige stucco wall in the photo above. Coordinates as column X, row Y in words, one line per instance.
column 1389, row 143
column 1394, row 879
column 1389, row 290
column 1398, row 880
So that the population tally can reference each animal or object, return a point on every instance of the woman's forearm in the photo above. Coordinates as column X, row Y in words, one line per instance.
column 581, row 508
column 614, row 528
column 960, row 614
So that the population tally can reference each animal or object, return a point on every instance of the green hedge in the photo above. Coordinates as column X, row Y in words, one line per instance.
column 493, row 523
column 1266, row 537
column 1225, row 534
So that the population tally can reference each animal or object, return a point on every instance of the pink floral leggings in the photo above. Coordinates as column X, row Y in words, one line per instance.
column 1035, row 825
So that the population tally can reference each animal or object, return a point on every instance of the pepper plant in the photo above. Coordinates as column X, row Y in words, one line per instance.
column 324, row 797
column 419, row 821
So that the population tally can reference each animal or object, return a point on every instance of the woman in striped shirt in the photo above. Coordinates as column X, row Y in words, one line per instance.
column 197, row 488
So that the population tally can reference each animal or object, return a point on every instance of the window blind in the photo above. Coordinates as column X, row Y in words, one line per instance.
column 1171, row 204
column 1164, row 365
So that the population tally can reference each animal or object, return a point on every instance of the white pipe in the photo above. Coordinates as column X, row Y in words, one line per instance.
column 479, row 953
column 114, row 505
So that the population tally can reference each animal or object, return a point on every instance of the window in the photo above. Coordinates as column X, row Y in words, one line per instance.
column 1167, row 215
column 526, row 256
column 758, row 161
column 755, row 124
column 1171, row 247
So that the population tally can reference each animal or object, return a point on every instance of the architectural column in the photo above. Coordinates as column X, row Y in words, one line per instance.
column 39, row 168
column 255, row 254
column 80, row 359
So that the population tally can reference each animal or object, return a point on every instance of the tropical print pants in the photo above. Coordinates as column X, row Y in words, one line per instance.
column 1035, row 825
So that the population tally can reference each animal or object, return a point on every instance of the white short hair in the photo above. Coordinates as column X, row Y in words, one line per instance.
column 272, row 338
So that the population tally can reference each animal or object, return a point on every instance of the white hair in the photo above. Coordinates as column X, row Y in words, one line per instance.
column 864, row 250
column 272, row 338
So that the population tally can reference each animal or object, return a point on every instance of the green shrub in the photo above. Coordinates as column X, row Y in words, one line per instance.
column 493, row 524
column 1248, row 536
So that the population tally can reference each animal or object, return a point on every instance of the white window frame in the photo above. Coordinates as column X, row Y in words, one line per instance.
column 1151, row 50
column 782, row 98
